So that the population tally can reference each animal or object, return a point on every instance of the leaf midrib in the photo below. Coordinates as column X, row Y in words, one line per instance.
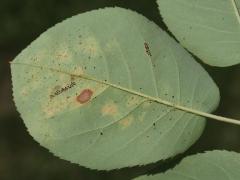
column 236, row 11
column 159, row 100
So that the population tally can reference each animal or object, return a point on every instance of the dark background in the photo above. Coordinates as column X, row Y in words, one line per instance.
column 21, row 158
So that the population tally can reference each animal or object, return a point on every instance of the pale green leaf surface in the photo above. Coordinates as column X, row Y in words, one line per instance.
column 208, row 28
column 120, row 126
column 212, row 165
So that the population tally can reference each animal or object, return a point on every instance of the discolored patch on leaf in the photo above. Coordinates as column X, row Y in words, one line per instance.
column 78, row 70
column 109, row 109
column 126, row 122
column 62, row 53
column 84, row 96
column 24, row 91
column 89, row 46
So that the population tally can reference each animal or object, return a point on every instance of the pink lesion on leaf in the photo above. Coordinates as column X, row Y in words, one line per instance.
column 84, row 96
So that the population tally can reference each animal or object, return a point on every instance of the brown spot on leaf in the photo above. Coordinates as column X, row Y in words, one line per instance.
column 84, row 96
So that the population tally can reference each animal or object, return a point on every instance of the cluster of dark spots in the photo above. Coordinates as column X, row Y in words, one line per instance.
column 60, row 90
column 147, row 49
column 84, row 96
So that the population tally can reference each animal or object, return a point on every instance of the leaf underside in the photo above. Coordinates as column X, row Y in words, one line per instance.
column 208, row 28
column 219, row 165
column 78, row 89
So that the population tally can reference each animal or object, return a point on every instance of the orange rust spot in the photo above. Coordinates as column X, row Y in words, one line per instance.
column 109, row 109
column 85, row 96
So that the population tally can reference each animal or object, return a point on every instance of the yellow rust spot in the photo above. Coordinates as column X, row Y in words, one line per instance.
column 63, row 53
column 24, row 91
column 39, row 56
column 90, row 46
column 49, row 112
column 78, row 71
column 126, row 122
column 59, row 104
column 62, row 78
column 109, row 109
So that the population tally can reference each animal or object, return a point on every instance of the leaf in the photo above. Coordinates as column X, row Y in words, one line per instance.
column 208, row 28
column 94, row 88
column 220, row 165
